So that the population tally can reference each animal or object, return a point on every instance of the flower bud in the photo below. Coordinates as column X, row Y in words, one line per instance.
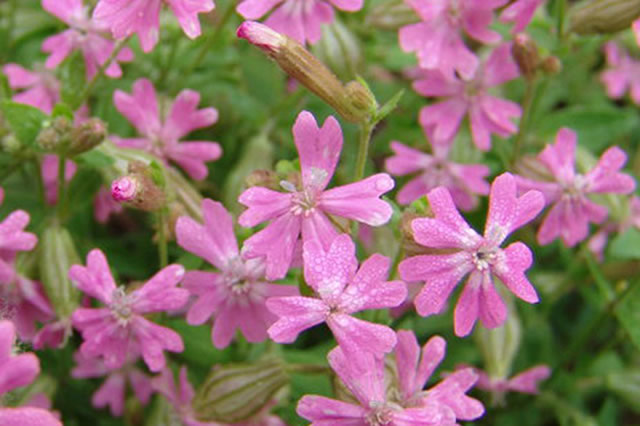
column 339, row 49
column 551, row 65
column 87, row 135
column 233, row 393
column 138, row 188
column 57, row 254
column 300, row 64
column 604, row 16
column 391, row 15
column 525, row 54
column 55, row 136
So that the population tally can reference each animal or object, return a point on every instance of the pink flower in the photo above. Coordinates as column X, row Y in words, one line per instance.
column 49, row 170
column 342, row 290
column 437, row 40
column 524, row 382
column 520, row 12
column 112, row 392
column 120, row 329
column 487, row 114
column 236, row 295
column 160, row 135
column 104, row 205
column 598, row 241
column 414, row 370
column 299, row 19
column 622, row 75
column 363, row 375
column 635, row 27
column 572, row 209
column 85, row 35
column 126, row 17
column 24, row 303
column 13, row 239
column 463, row 181
column 16, row 371
column 478, row 256
column 40, row 88
column 303, row 208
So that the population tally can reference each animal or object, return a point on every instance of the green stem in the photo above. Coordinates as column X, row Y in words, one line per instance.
column 169, row 63
column 40, row 182
column 307, row 368
column 120, row 44
column 527, row 102
column 363, row 149
column 9, row 171
column 561, row 12
column 60, row 207
column 163, row 243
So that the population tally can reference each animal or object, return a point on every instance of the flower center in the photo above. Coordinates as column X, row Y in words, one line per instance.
column 576, row 188
column 303, row 202
column 454, row 12
column 381, row 414
column 121, row 305
column 484, row 257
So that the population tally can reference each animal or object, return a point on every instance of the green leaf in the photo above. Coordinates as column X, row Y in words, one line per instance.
column 626, row 245
column 72, row 76
column 627, row 385
column 83, row 187
column 95, row 159
column 24, row 120
column 628, row 313
column 388, row 107
column 62, row 110
column 5, row 90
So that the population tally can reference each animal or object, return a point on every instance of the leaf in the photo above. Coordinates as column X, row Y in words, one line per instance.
column 62, row 110
column 72, row 77
column 5, row 90
column 24, row 120
column 83, row 187
column 94, row 159
column 628, row 313
column 627, row 385
column 626, row 245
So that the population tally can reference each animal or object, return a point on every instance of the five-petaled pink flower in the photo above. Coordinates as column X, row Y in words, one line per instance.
column 341, row 290
column 572, row 209
column 464, row 181
column 120, row 329
column 236, row 295
column 303, row 209
column 479, row 256
column 524, row 382
column 39, row 88
column 299, row 19
column 17, row 371
column 83, row 34
column 161, row 135
column 622, row 75
column 363, row 375
column 126, row 17
column 520, row 12
column 487, row 113
column 438, row 41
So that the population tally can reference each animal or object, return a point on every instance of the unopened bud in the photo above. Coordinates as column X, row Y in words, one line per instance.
column 57, row 254
column 138, row 189
column 339, row 49
column 55, row 136
column 300, row 64
column 267, row 178
column 391, row 15
column 604, row 16
column 525, row 54
column 125, row 189
column 551, row 65
column 233, row 393
column 87, row 135
column 11, row 144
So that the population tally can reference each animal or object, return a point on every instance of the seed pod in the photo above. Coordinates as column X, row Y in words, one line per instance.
column 233, row 393
column 139, row 188
column 87, row 135
column 391, row 15
column 55, row 137
column 604, row 16
column 525, row 54
column 339, row 49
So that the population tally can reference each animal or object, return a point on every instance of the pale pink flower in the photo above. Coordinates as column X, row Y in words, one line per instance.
column 161, row 135
column 478, row 256
column 112, row 391
column 437, row 40
column 104, row 205
column 631, row 219
column 342, row 290
column 622, row 75
column 49, row 169
column 572, row 210
column 304, row 208
column 142, row 17
column 83, row 34
column 363, row 376
column 236, row 294
column 464, row 181
column 524, row 382
column 120, row 329
column 520, row 12
column 487, row 113
column 301, row 20
column 54, row 334
column 415, row 368
column 39, row 88
column 24, row 302
column 16, row 371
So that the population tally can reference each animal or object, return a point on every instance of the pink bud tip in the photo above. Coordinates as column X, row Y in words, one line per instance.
column 260, row 35
column 124, row 189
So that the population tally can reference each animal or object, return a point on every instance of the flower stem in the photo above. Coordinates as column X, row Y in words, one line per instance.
column 363, row 149
column 163, row 243
column 120, row 44
column 561, row 11
column 527, row 102
column 60, row 205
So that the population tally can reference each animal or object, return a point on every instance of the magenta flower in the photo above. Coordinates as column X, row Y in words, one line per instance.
column 572, row 209
column 17, row 371
column 299, row 19
column 342, row 290
column 487, row 114
column 236, row 295
column 112, row 392
column 478, row 256
column 464, row 181
column 49, row 171
column 161, row 135
column 622, row 75
column 363, row 375
column 104, row 205
column 524, row 382
column 83, row 34
column 520, row 12
column 635, row 27
column 40, row 88
column 120, row 329
column 598, row 241
column 303, row 209
column 414, row 370
column 23, row 301
column 126, row 17
column 437, row 40
column 13, row 239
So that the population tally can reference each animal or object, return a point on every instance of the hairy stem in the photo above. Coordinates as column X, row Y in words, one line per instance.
column 163, row 243
column 363, row 149
column 120, row 44
column 527, row 103
column 60, row 206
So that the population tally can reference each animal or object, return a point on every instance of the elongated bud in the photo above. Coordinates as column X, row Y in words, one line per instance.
column 55, row 137
column 300, row 64
column 87, row 135
column 525, row 54
column 551, row 65
column 604, row 16
column 57, row 254
column 391, row 15
column 139, row 188
column 339, row 49
column 233, row 393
